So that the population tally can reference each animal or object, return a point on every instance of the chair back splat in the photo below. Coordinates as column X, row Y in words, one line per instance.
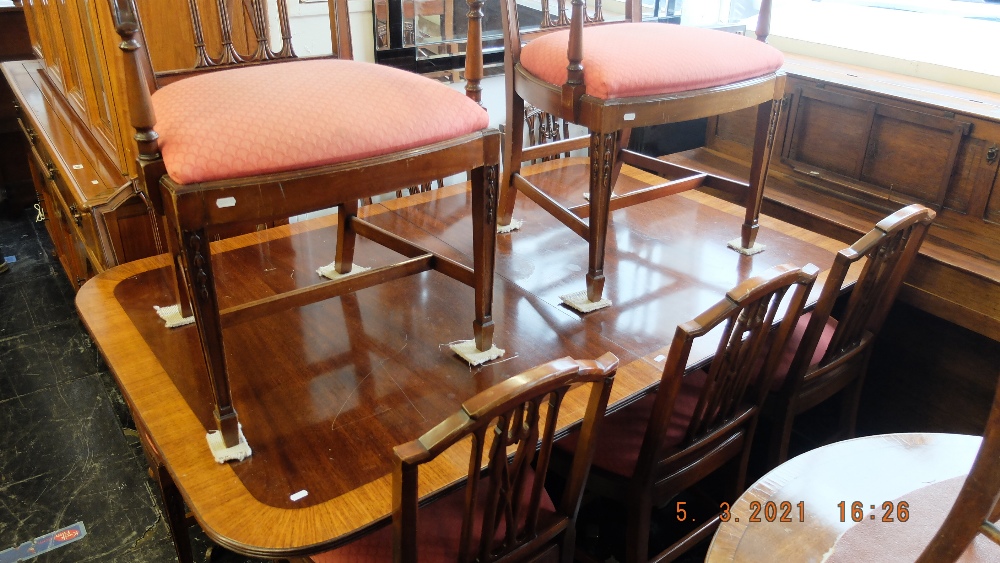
column 831, row 355
column 502, row 512
column 611, row 77
column 250, row 133
column 698, row 421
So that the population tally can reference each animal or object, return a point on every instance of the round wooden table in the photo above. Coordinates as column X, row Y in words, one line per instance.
column 872, row 470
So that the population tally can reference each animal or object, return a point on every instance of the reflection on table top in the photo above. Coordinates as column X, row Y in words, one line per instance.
column 325, row 391
column 871, row 470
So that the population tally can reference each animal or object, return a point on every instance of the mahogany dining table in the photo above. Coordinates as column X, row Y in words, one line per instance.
column 325, row 391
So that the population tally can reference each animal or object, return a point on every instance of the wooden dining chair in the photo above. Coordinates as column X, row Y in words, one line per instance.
column 826, row 356
column 698, row 421
column 249, row 136
column 502, row 513
column 612, row 77
column 977, row 508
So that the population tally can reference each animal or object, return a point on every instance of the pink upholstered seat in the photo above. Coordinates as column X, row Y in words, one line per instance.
column 439, row 530
column 291, row 116
column 643, row 59
column 621, row 438
column 788, row 353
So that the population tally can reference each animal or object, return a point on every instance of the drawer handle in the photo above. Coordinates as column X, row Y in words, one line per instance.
column 32, row 136
column 50, row 171
column 991, row 154
column 77, row 217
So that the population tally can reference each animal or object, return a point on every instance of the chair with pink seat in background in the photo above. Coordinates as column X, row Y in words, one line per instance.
column 826, row 356
column 255, row 134
column 612, row 77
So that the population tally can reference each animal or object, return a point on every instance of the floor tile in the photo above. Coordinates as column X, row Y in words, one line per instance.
column 25, row 367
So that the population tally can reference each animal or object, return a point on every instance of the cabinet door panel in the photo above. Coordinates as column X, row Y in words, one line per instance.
column 908, row 158
column 829, row 131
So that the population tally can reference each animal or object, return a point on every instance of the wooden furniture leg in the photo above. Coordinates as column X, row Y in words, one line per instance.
column 513, row 147
column 603, row 152
column 201, row 286
column 346, row 237
column 484, row 234
column 173, row 511
column 767, row 122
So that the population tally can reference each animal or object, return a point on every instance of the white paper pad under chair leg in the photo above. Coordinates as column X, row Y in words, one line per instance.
column 580, row 302
column 468, row 351
column 172, row 316
column 222, row 454
column 330, row 271
column 736, row 243
column 514, row 225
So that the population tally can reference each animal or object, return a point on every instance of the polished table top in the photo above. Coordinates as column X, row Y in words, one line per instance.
column 872, row 470
column 325, row 391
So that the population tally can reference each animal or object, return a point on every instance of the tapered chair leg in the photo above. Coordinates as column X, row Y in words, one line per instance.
column 640, row 511
column 767, row 122
column 346, row 237
column 201, row 286
column 603, row 153
column 484, row 235
column 180, row 284
column 513, row 148
column 781, row 435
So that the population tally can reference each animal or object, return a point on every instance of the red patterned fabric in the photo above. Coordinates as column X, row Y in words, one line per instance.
column 438, row 530
column 643, row 59
column 291, row 116
column 785, row 363
column 621, row 435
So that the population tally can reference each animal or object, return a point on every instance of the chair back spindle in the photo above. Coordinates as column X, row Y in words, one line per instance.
column 514, row 423
column 890, row 249
column 734, row 385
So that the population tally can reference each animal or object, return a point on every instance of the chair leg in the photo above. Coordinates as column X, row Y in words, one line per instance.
column 484, row 236
column 622, row 144
column 640, row 511
column 346, row 237
column 180, row 285
column 201, row 286
column 767, row 122
column 603, row 153
column 513, row 147
column 781, row 435
column 851, row 399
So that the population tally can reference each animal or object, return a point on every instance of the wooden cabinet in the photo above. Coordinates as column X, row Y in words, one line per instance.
column 72, row 111
column 69, row 105
column 855, row 144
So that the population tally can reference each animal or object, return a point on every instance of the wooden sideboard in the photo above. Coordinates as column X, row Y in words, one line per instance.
column 69, row 102
column 855, row 144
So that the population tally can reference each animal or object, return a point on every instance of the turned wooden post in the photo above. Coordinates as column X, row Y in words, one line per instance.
column 574, row 87
column 138, row 78
column 474, row 52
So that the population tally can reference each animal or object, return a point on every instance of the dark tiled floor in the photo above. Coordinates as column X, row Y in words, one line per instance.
column 68, row 448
